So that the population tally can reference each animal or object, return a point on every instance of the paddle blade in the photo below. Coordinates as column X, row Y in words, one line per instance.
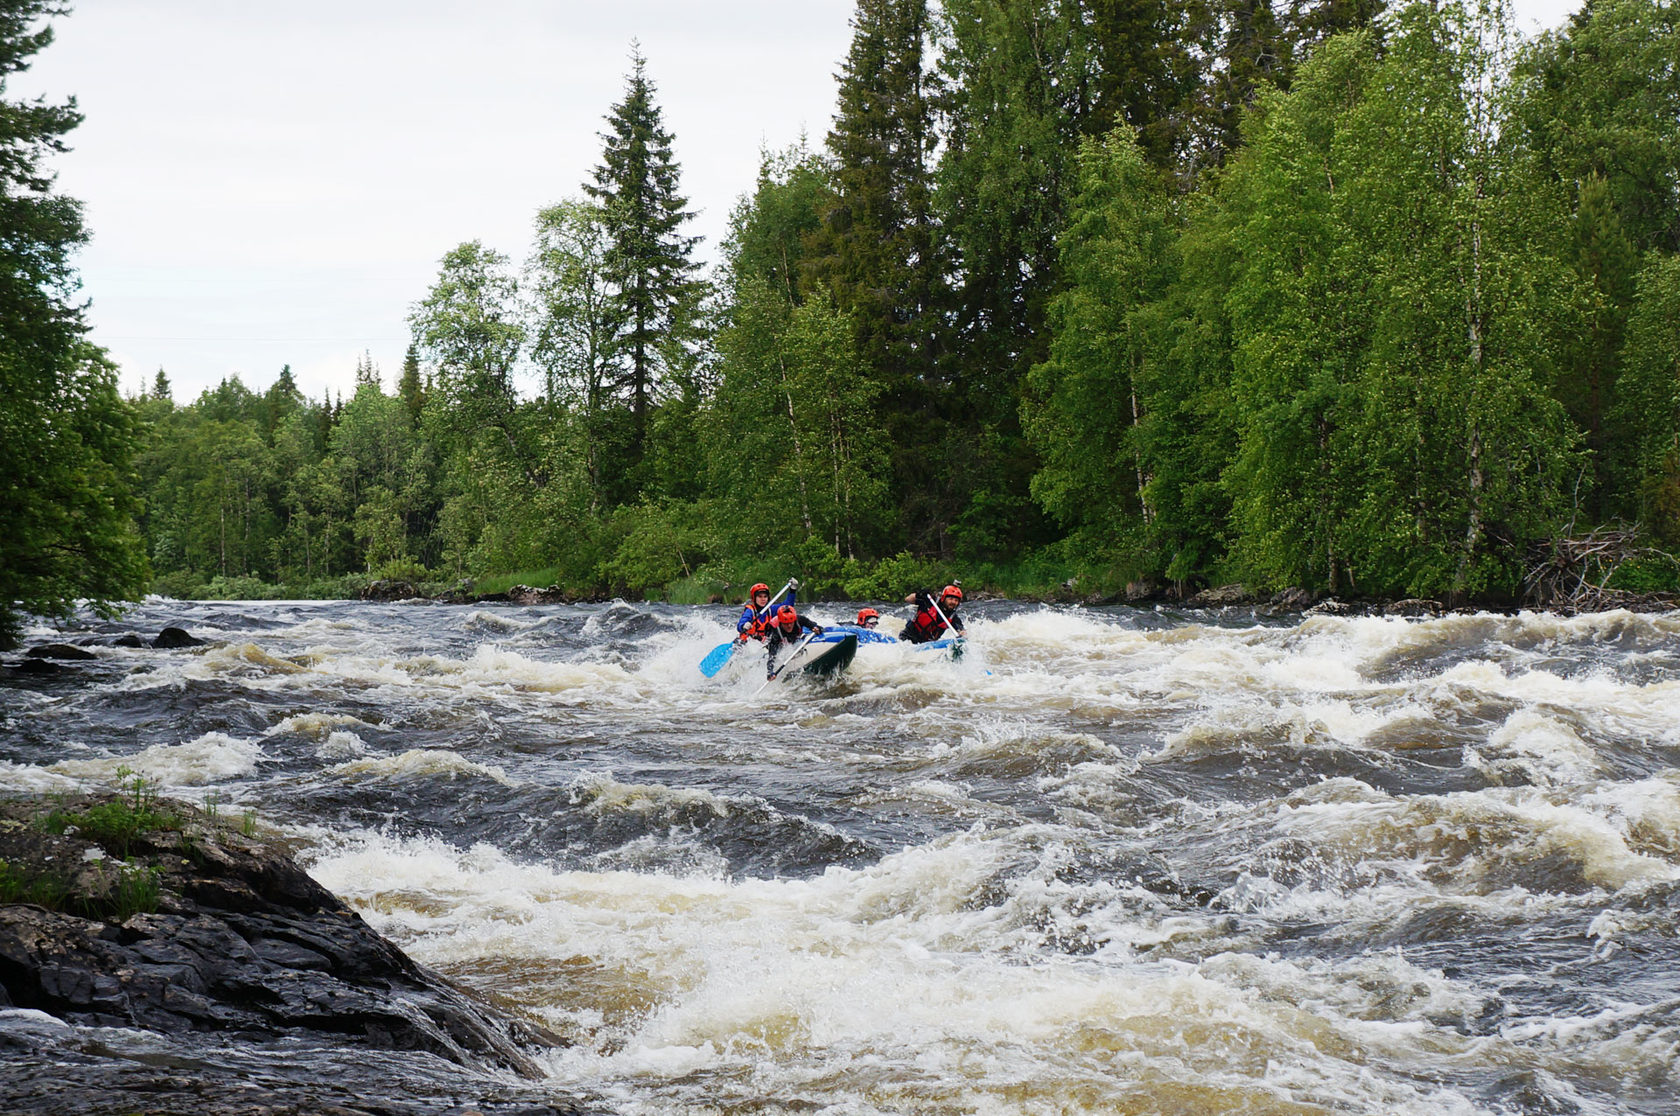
column 716, row 658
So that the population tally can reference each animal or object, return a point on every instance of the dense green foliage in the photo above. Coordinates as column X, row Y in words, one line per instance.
column 1319, row 295
column 66, row 437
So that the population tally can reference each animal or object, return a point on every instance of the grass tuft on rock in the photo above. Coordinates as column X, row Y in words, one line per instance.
column 116, row 825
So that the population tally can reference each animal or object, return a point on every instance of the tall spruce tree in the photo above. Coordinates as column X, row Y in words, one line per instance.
column 410, row 389
column 655, row 295
column 1149, row 54
column 877, row 251
column 66, row 436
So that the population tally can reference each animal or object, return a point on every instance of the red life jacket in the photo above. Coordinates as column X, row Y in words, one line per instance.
column 757, row 626
column 928, row 625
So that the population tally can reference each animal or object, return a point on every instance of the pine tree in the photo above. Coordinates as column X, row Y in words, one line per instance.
column 655, row 295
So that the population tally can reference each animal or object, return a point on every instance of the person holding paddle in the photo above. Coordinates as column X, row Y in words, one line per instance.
column 753, row 623
column 933, row 617
column 755, row 616
column 786, row 627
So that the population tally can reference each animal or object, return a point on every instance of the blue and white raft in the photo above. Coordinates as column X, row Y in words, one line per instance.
column 822, row 656
column 870, row 635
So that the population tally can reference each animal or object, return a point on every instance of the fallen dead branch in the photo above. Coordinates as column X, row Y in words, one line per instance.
column 1574, row 574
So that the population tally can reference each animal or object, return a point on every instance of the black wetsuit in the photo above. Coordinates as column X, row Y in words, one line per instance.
column 777, row 637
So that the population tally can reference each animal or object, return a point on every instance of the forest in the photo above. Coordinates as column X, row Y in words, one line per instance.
column 1075, row 296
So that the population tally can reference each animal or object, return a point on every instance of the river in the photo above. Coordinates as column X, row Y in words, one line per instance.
column 1111, row 861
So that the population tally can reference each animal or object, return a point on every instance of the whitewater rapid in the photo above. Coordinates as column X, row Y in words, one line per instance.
column 1110, row 861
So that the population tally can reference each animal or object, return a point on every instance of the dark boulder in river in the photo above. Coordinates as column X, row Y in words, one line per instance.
column 123, row 912
column 37, row 666
column 59, row 651
column 171, row 638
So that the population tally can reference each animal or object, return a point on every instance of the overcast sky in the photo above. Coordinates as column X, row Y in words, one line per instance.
column 273, row 184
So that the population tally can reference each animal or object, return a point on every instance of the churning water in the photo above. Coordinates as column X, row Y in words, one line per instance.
column 1112, row 861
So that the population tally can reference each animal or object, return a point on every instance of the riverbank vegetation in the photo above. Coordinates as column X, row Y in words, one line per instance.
column 1349, row 297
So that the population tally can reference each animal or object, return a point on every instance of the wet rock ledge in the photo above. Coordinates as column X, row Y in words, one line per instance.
column 124, row 911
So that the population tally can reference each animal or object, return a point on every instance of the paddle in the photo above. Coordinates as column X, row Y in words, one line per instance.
column 956, row 635
column 777, row 673
column 720, row 655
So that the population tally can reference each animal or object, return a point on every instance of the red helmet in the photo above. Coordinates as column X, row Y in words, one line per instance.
column 786, row 615
column 867, row 616
column 759, row 588
column 951, row 591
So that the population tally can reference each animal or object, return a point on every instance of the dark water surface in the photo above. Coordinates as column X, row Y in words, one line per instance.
column 1112, row 861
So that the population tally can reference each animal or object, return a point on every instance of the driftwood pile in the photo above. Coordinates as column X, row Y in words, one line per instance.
column 1574, row 574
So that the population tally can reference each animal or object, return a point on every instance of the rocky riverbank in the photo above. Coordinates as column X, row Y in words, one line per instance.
column 128, row 924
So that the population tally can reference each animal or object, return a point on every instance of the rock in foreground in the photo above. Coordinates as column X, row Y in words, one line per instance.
column 203, row 933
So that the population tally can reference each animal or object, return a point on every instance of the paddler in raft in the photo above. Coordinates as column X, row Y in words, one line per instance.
column 927, row 625
column 785, row 629
column 756, row 616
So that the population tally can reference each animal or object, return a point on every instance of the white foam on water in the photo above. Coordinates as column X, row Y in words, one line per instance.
column 1014, row 746
column 320, row 628
column 417, row 763
column 494, row 667
column 1647, row 811
column 1465, row 838
column 1100, row 787
column 30, row 780
column 317, row 726
column 212, row 758
column 1381, row 987
column 1535, row 748
column 1262, row 721
column 889, row 989
column 483, row 620
column 245, row 659
column 341, row 746
column 601, row 794
column 1624, row 1043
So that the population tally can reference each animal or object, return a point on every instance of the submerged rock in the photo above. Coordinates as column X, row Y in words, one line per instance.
column 59, row 651
column 188, row 926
